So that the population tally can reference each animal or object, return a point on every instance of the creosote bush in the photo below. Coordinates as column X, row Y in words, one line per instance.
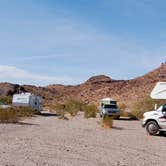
column 5, row 100
column 90, row 111
column 14, row 114
column 8, row 116
column 107, row 121
column 123, row 108
column 25, row 111
column 71, row 106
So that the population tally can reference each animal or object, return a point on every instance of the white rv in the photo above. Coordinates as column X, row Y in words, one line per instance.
column 27, row 99
column 155, row 121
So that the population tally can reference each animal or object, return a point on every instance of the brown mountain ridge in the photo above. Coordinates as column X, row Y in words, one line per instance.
column 95, row 88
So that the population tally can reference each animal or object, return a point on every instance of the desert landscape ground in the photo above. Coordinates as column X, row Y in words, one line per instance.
column 47, row 140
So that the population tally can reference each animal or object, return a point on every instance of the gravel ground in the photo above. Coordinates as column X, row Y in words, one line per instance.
column 48, row 141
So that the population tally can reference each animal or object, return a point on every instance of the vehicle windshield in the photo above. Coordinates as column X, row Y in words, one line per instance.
column 164, row 108
column 110, row 106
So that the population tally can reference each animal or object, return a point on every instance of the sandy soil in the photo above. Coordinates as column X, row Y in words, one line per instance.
column 48, row 141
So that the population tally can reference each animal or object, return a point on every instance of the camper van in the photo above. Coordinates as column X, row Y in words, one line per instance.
column 27, row 100
column 155, row 121
column 109, row 107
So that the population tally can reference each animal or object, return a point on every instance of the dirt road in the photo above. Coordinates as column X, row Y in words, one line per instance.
column 48, row 141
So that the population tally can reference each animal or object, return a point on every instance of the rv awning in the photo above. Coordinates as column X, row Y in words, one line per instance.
column 159, row 91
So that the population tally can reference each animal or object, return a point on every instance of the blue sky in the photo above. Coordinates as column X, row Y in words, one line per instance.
column 67, row 41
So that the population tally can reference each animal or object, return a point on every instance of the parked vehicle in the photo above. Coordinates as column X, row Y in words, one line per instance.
column 109, row 107
column 27, row 99
column 155, row 121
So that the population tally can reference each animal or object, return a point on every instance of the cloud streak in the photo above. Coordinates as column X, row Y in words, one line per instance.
column 17, row 75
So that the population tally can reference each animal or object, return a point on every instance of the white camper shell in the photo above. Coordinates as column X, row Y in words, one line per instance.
column 27, row 99
column 159, row 91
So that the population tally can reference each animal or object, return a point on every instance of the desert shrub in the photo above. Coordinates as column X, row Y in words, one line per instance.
column 14, row 114
column 90, row 111
column 123, row 108
column 144, row 105
column 5, row 100
column 107, row 121
column 8, row 116
column 58, row 108
column 25, row 111
column 73, row 106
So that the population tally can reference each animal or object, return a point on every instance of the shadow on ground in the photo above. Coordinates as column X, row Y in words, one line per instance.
column 127, row 119
column 48, row 114
column 161, row 134
column 117, row 128
column 25, row 123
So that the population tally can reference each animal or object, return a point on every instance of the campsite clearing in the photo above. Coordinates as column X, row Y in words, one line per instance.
column 48, row 141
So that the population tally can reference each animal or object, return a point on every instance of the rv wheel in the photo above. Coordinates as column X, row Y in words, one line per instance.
column 152, row 128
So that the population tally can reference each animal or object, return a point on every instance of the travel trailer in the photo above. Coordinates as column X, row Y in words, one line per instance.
column 155, row 121
column 109, row 107
column 27, row 99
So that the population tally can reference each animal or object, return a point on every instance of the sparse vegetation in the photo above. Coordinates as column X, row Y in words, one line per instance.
column 8, row 116
column 14, row 114
column 144, row 105
column 107, row 121
column 124, row 112
column 90, row 111
column 5, row 100
column 71, row 106
column 25, row 111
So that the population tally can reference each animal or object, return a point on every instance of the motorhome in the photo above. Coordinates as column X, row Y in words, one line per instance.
column 27, row 99
column 108, row 106
column 155, row 121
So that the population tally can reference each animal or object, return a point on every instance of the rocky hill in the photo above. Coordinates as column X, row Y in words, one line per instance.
column 97, row 87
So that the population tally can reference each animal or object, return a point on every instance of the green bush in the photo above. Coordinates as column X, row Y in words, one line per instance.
column 25, row 111
column 14, row 114
column 144, row 105
column 107, row 121
column 5, row 100
column 73, row 106
column 90, row 111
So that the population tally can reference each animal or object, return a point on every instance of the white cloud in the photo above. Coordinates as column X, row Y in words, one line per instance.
column 16, row 75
